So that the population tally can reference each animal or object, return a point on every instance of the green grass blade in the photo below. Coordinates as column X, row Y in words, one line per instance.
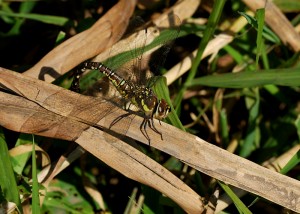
column 7, row 179
column 55, row 20
column 208, row 33
column 252, row 138
column 260, row 15
column 224, row 127
column 25, row 7
column 294, row 161
column 35, row 183
column 283, row 77
column 267, row 33
column 236, row 55
column 242, row 208
column 297, row 124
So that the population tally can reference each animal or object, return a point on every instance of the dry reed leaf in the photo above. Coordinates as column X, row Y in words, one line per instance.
column 183, row 9
column 43, row 118
column 278, row 22
column 190, row 149
column 105, row 32
column 274, row 164
column 44, row 109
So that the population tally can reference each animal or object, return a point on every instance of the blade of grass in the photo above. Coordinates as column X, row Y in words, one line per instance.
column 55, row 20
column 294, row 161
column 26, row 7
column 7, row 179
column 208, row 32
column 297, row 124
column 241, row 207
column 252, row 138
column 260, row 15
column 224, row 126
column 283, row 77
column 267, row 32
column 236, row 55
column 35, row 183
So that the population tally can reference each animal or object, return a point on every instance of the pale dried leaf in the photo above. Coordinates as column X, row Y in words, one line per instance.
column 190, row 149
column 105, row 32
column 53, row 117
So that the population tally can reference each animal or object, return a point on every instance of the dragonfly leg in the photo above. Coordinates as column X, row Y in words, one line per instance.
column 154, row 128
column 118, row 119
column 150, row 123
column 143, row 129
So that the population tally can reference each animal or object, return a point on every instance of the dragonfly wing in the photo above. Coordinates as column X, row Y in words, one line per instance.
column 169, row 29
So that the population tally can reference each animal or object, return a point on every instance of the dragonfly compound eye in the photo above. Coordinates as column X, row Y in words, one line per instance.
column 162, row 110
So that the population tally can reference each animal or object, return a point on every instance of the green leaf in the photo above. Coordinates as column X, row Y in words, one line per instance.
column 224, row 126
column 267, row 32
column 8, row 182
column 19, row 161
column 283, row 77
column 297, row 124
column 260, row 15
column 35, row 183
column 249, row 144
column 288, row 6
column 241, row 207
column 294, row 161
column 208, row 33
column 55, row 20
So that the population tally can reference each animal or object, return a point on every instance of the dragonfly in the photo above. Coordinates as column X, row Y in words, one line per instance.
column 136, row 94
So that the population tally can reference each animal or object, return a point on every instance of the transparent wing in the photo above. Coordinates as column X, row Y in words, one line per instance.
column 145, row 48
column 169, row 30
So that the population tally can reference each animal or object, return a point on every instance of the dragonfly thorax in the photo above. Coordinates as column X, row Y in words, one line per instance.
column 147, row 101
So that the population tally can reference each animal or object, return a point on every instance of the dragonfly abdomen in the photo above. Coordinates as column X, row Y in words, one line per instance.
column 124, row 87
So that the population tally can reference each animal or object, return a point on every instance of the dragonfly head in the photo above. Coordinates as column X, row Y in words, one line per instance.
column 162, row 110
